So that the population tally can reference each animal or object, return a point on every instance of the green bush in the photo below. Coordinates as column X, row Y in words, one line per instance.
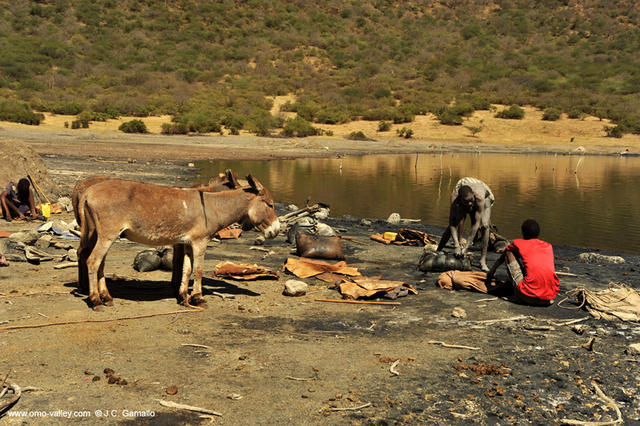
column 66, row 108
column 614, row 131
column 174, row 129
column 514, row 112
column 19, row 112
column 80, row 124
column 449, row 118
column 199, row 121
column 357, row 136
column 405, row 132
column 299, row 127
column 133, row 126
column 551, row 114
column 384, row 126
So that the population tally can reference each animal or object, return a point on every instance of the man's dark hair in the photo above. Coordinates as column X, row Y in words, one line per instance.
column 23, row 186
column 530, row 229
column 464, row 190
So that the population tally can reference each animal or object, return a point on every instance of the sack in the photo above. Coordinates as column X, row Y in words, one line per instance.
column 440, row 262
column 318, row 247
column 147, row 260
column 616, row 302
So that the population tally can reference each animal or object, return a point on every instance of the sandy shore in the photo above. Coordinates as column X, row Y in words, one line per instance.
column 531, row 135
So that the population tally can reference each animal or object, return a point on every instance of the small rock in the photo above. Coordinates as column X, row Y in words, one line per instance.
column 25, row 237
column 633, row 349
column 458, row 312
column 394, row 219
column 171, row 390
column 600, row 331
column 325, row 230
column 292, row 208
column 295, row 288
column 259, row 240
column 72, row 255
column 44, row 242
column 365, row 222
column 599, row 258
column 578, row 329
column 95, row 378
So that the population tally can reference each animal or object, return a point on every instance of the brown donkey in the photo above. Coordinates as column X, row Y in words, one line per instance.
column 160, row 215
column 222, row 182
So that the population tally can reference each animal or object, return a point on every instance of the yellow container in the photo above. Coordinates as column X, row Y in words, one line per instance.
column 390, row 236
column 46, row 209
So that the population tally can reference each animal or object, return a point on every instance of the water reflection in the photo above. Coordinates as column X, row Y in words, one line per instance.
column 581, row 201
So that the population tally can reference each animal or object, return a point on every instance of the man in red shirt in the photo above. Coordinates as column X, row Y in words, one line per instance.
column 531, row 267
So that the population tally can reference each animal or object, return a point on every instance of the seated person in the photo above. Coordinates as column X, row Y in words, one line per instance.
column 531, row 267
column 17, row 201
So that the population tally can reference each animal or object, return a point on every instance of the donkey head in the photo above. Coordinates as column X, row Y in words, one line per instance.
column 261, row 213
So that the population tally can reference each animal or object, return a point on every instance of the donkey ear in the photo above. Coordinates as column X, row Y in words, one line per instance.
column 232, row 178
column 254, row 183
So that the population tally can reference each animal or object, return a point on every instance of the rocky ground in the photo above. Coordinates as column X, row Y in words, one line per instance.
column 258, row 357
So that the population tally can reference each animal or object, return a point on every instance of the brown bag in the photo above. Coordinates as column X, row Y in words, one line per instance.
column 318, row 247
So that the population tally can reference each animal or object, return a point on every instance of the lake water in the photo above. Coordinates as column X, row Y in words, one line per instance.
column 580, row 201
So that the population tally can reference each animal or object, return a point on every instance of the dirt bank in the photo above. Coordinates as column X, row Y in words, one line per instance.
column 269, row 359
column 529, row 135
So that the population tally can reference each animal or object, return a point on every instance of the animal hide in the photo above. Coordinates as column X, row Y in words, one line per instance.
column 318, row 247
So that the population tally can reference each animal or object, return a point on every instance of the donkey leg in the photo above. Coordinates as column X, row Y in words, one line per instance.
column 94, row 266
column 176, row 267
column 102, row 285
column 187, row 261
column 198, row 263
column 84, row 250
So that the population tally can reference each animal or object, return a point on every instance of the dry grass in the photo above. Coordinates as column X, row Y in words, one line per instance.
column 532, row 130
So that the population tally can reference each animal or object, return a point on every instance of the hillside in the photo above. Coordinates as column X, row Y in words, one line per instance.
column 213, row 63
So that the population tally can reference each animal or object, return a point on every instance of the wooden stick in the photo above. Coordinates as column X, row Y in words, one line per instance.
column 194, row 345
column 360, row 302
column 518, row 318
column 38, row 188
column 287, row 216
column 171, row 404
column 17, row 391
column 41, row 293
column 368, row 404
column 610, row 402
column 50, row 324
column 566, row 274
column 65, row 265
column 5, row 379
column 353, row 240
column 569, row 322
column 393, row 370
column 446, row 345
column 299, row 379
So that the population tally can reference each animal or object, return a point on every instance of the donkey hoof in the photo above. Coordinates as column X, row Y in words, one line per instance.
column 108, row 302
column 198, row 300
column 98, row 308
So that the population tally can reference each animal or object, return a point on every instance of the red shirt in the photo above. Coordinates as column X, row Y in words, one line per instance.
column 540, row 279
